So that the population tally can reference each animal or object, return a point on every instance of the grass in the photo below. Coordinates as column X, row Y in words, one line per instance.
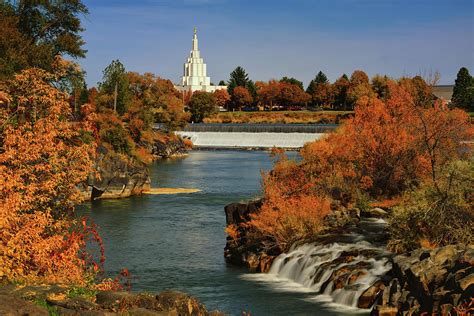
column 81, row 292
column 51, row 309
column 285, row 117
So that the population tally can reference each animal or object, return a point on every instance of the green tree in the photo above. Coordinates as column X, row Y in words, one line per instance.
column 34, row 32
column 292, row 81
column 320, row 90
column 222, row 83
column 238, row 78
column 463, row 91
column 202, row 104
column 115, row 87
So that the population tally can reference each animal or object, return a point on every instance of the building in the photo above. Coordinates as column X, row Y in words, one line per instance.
column 443, row 92
column 195, row 72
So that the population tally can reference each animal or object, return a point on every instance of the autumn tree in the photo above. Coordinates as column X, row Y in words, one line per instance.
column 420, row 91
column 114, row 88
column 171, row 112
column 380, row 86
column 268, row 93
column 292, row 95
column 240, row 98
column 34, row 32
column 222, row 98
column 359, row 87
column 42, row 160
column 339, row 93
column 463, row 91
column 201, row 105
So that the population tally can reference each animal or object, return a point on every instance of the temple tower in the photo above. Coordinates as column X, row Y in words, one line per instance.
column 195, row 72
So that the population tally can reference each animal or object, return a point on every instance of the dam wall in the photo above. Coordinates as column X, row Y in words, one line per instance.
column 249, row 140
column 260, row 128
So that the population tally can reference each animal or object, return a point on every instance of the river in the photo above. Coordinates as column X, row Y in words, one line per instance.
column 176, row 242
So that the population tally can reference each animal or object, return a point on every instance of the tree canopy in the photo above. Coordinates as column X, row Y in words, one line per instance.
column 34, row 32
column 463, row 91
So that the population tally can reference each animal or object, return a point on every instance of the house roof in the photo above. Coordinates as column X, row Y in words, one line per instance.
column 444, row 92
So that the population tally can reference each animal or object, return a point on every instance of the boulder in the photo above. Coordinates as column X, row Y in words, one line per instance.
column 115, row 176
column 375, row 212
column 169, row 148
column 430, row 281
column 369, row 296
column 11, row 305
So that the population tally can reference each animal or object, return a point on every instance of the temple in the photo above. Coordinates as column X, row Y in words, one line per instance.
column 195, row 73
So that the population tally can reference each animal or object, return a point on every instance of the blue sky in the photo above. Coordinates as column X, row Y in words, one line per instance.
column 275, row 38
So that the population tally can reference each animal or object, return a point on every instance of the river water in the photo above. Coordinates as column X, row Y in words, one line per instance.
column 176, row 242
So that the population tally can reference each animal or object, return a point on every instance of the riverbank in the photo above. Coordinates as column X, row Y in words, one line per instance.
column 351, row 267
column 62, row 300
column 119, row 176
column 280, row 117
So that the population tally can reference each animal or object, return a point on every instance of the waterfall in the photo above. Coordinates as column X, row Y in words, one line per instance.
column 337, row 272
column 260, row 128
column 249, row 140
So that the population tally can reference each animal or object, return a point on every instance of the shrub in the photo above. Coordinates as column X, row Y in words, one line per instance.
column 437, row 215
column 118, row 138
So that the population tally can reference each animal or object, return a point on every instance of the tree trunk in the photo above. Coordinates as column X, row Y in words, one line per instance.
column 115, row 98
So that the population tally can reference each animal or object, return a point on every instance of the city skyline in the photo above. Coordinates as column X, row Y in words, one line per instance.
column 275, row 39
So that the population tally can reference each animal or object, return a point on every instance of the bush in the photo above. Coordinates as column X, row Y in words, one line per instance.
column 118, row 138
column 290, row 212
column 438, row 213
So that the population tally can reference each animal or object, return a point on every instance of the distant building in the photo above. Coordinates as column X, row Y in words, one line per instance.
column 443, row 92
column 195, row 72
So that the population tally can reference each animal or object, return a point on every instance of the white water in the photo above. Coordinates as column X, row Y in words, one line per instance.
column 309, row 267
column 249, row 140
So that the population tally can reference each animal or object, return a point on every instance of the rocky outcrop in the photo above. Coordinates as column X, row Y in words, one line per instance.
column 244, row 251
column 169, row 148
column 429, row 281
column 258, row 254
column 115, row 176
column 57, row 300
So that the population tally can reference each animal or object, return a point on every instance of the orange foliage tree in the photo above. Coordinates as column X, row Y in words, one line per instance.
column 222, row 98
column 386, row 148
column 42, row 159
column 240, row 98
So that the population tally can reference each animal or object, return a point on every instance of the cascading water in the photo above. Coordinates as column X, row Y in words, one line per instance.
column 248, row 140
column 337, row 272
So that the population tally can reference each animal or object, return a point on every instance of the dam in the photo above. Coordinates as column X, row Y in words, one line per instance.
column 254, row 136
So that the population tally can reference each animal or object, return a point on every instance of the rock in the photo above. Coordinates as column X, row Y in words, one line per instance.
column 431, row 281
column 374, row 212
column 11, row 305
column 368, row 298
column 180, row 303
column 115, row 176
column 74, row 304
column 169, row 147
column 467, row 281
column 245, row 251
column 444, row 255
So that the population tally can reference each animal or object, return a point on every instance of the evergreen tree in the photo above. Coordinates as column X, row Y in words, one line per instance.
column 84, row 96
column 238, row 78
column 222, row 83
column 463, row 91
column 320, row 78
column 115, row 85
column 292, row 81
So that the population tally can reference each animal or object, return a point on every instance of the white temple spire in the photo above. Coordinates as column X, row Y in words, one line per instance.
column 195, row 72
column 195, row 40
